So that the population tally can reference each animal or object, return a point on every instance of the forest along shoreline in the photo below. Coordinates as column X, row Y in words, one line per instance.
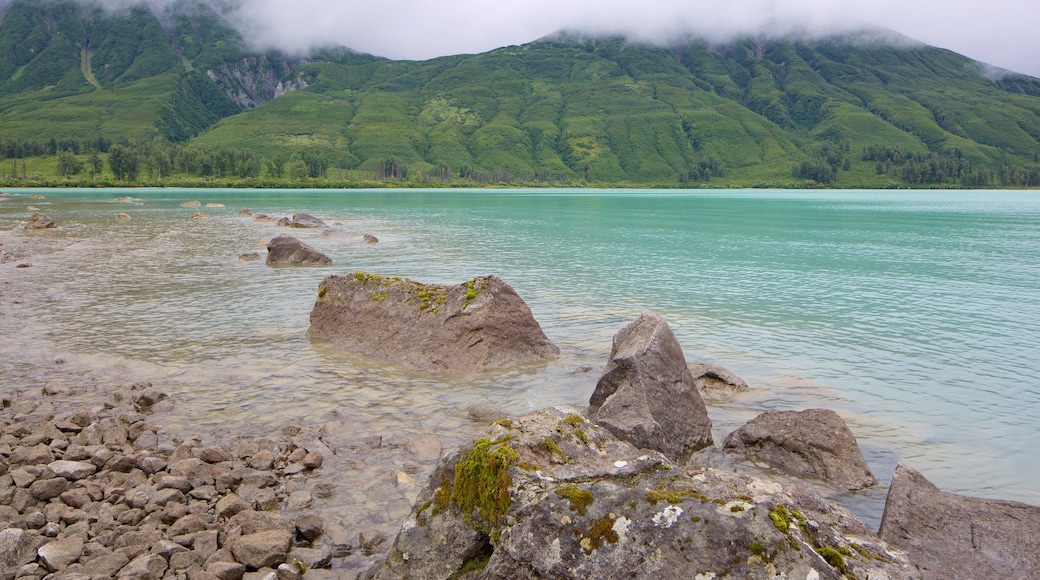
column 95, row 485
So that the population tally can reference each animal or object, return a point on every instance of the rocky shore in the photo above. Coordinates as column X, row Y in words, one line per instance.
column 99, row 491
column 631, row 486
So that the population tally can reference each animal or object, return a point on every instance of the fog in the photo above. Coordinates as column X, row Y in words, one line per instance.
column 997, row 32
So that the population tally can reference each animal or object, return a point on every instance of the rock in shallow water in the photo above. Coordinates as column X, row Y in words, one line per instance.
column 475, row 326
column 810, row 443
column 954, row 536
column 39, row 221
column 646, row 395
column 288, row 251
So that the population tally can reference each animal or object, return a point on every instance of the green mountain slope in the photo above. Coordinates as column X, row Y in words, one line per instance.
column 860, row 110
column 75, row 71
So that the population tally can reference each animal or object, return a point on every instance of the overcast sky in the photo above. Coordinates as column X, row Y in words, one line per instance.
column 1003, row 33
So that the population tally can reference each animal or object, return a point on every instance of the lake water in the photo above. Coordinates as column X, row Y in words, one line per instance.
column 914, row 314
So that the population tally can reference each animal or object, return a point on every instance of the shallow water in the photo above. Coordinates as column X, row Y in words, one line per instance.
column 914, row 314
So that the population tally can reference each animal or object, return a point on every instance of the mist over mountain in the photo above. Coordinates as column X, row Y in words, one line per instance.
column 868, row 107
column 998, row 32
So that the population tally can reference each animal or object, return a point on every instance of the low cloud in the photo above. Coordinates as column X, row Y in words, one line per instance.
column 996, row 32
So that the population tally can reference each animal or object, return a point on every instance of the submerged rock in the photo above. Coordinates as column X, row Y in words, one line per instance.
column 40, row 221
column 249, row 257
column 715, row 382
column 306, row 220
column 646, row 395
column 810, row 443
column 370, row 239
column 123, row 216
column 954, row 536
column 288, row 251
column 475, row 326
column 551, row 495
column 200, row 216
column 195, row 203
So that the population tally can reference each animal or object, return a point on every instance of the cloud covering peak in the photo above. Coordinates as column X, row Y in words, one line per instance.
column 997, row 32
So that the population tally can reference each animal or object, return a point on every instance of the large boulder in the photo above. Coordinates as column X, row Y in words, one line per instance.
column 551, row 495
column 306, row 220
column 646, row 395
column 40, row 221
column 288, row 251
column 811, row 443
column 475, row 326
column 953, row 536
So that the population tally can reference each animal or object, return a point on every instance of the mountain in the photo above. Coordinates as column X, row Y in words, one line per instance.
column 870, row 109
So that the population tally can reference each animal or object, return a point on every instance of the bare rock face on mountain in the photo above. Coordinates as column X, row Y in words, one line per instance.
column 40, row 221
column 646, row 395
column 552, row 495
column 954, row 536
column 306, row 220
column 479, row 325
column 288, row 251
column 811, row 443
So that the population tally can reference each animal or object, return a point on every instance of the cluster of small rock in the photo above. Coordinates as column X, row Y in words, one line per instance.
column 97, row 494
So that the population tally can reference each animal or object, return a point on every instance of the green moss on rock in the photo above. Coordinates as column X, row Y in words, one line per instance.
column 482, row 480
column 579, row 499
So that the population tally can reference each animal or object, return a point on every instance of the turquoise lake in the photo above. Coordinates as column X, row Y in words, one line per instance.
column 914, row 314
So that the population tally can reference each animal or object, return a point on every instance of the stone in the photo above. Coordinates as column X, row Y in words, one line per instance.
column 144, row 567
column 487, row 412
column 188, row 524
column 226, row 570
column 319, row 557
column 370, row 239
column 299, row 500
column 31, row 455
column 18, row 547
column 646, row 395
column 954, row 536
column 313, row 460
column 309, row 526
column 200, row 216
column 47, row 489
column 424, row 448
column 715, row 382
column 288, row 251
column 811, row 443
column 245, row 213
column 230, row 505
column 262, row 460
column 476, row 326
column 555, row 496
column 40, row 221
column 251, row 522
column 211, row 455
column 304, row 220
column 194, row 203
column 106, row 566
column 123, row 217
column 72, row 470
column 260, row 549
column 56, row 556
column 249, row 257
